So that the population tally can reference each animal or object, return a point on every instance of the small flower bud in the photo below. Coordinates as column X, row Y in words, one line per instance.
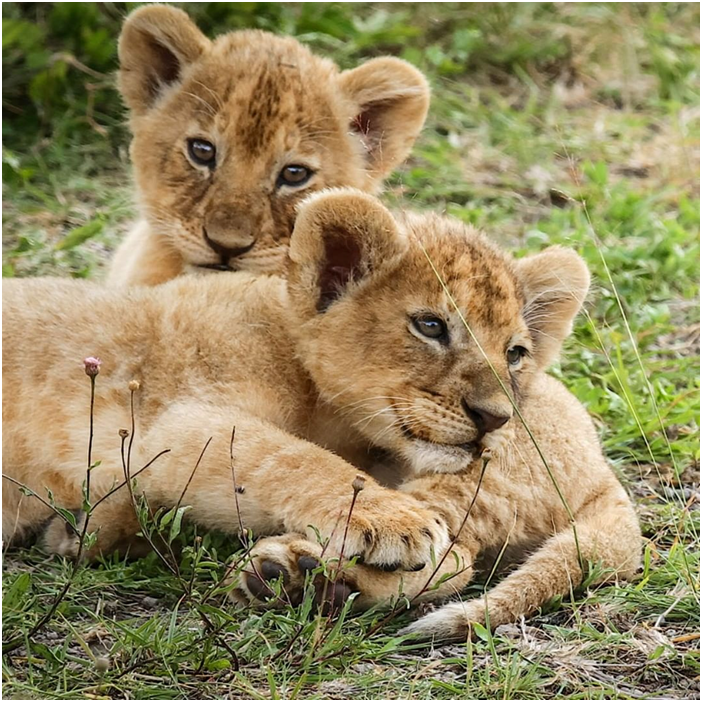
column 92, row 366
column 123, row 433
column 359, row 482
column 134, row 385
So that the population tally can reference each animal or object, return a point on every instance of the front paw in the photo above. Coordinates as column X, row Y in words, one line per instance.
column 390, row 531
column 281, row 567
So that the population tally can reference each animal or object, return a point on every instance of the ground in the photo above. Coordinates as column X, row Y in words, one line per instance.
column 550, row 123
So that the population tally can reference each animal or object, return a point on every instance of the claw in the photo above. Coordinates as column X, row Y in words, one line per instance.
column 307, row 563
column 258, row 588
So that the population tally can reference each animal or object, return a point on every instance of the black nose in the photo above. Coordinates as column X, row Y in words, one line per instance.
column 484, row 420
column 226, row 252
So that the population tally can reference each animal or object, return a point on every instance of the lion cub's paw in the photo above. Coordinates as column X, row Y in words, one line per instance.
column 279, row 569
column 62, row 538
column 390, row 533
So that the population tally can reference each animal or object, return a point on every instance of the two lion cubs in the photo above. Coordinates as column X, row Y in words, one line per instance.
column 363, row 356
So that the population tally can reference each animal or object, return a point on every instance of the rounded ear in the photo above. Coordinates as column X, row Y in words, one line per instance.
column 156, row 44
column 391, row 99
column 341, row 237
column 555, row 283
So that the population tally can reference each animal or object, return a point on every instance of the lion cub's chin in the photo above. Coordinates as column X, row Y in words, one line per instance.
column 426, row 457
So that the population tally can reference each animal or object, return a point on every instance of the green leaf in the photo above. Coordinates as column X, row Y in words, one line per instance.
column 16, row 592
column 166, row 519
column 218, row 664
column 68, row 516
column 480, row 631
column 81, row 234
column 89, row 540
column 659, row 651
column 175, row 527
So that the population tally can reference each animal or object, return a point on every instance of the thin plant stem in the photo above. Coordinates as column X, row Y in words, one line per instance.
column 485, row 460
column 137, row 473
column 192, row 474
column 243, row 534
column 144, row 527
column 92, row 408
column 15, row 643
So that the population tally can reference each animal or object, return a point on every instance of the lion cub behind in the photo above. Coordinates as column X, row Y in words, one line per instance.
column 364, row 345
column 230, row 134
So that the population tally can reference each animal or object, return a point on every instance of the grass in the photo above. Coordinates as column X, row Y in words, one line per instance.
column 572, row 123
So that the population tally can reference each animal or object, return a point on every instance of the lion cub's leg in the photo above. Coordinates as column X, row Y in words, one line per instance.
column 292, row 556
column 607, row 534
column 284, row 484
column 114, row 522
column 144, row 258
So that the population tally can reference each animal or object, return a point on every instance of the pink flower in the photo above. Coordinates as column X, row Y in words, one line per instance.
column 92, row 366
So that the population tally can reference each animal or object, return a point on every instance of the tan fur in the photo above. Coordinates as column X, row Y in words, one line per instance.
column 265, row 102
column 324, row 365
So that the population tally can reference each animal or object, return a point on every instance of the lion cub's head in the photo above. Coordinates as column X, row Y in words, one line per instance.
column 419, row 329
column 230, row 134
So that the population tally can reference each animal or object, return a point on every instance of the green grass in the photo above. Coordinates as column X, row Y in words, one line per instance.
column 572, row 123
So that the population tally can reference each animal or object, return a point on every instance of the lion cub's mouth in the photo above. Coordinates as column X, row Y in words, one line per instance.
column 468, row 447
column 216, row 266
column 227, row 255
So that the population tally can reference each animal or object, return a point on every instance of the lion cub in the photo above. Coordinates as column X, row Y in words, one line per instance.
column 414, row 335
column 230, row 134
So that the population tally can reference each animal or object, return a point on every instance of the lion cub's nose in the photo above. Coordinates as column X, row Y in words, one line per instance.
column 229, row 235
column 485, row 420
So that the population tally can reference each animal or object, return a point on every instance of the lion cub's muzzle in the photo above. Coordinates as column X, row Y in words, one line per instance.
column 486, row 420
column 226, row 254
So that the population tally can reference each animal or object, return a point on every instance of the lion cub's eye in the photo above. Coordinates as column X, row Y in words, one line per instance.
column 432, row 327
column 294, row 176
column 515, row 355
column 202, row 152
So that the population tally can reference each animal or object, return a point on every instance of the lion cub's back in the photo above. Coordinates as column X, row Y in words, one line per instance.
column 40, row 315
column 49, row 327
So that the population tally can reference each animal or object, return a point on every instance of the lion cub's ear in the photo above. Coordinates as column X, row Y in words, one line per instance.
column 555, row 283
column 156, row 45
column 340, row 238
column 391, row 99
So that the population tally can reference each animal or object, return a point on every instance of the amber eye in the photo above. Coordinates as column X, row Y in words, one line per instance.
column 202, row 152
column 515, row 355
column 294, row 176
column 431, row 327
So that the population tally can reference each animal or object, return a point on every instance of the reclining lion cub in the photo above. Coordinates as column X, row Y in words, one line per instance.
column 361, row 348
column 230, row 134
